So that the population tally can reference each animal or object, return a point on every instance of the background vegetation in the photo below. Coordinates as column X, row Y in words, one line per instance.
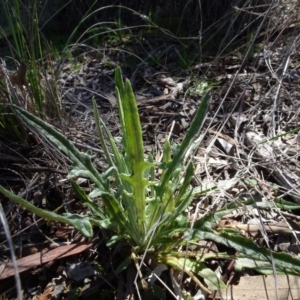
column 174, row 175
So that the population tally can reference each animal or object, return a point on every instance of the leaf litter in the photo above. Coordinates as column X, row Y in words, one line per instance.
column 240, row 154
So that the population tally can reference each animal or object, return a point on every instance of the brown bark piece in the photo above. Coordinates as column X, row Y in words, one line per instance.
column 37, row 259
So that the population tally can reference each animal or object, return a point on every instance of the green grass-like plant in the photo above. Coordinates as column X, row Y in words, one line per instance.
column 32, row 89
column 26, row 45
column 146, row 212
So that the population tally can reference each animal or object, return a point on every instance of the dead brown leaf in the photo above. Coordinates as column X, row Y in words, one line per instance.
column 18, row 78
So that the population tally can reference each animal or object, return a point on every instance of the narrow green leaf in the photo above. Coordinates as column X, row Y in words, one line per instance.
column 134, row 151
column 286, row 205
column 108, row 157
column 282, row 261
column 166, row 152
column 82, row 161
column 184, row 187
column 81, row 223
column 120, row 222
column 95, row 208
column 263, row 267
column 203, row 230
column 115, row 210
column 113, row 160
column 209, row 276
column 125, row 263
column 188, row 267
column 183, row 205
column 190, row 135
column 168, row 200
